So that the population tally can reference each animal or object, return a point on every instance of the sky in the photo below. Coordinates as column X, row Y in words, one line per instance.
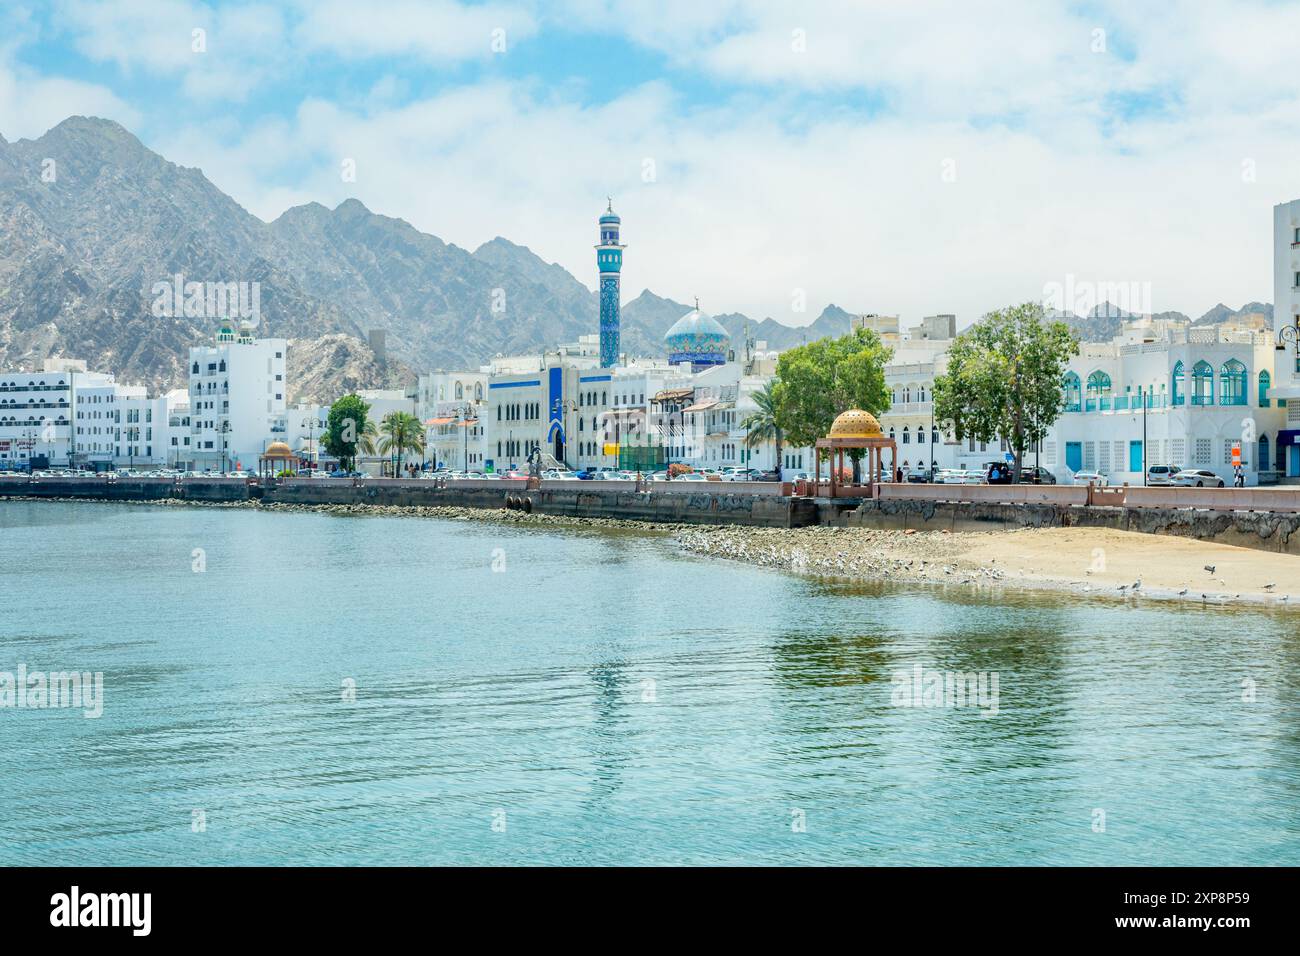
column 772, row 157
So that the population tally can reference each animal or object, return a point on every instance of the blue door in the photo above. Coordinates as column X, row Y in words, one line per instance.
column 1074, row 455
column 1135, row 456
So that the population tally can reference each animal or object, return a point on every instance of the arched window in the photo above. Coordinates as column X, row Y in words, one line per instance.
column 1202, row 384
column 920, row 434
column 1179, row 385
column 478, row 391
column 1098, row 391
column 1265, row 382
column 1263, row 453
column 460, row 392
column 907, row 437
column 1070, row 385
column 1232, row 383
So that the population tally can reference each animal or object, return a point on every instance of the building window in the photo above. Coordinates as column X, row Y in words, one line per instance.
column 1232, row 383
column 1180, row 397
column 1070, row 385
column 1265, row 382
column 1202, row 384
column 1099, row 388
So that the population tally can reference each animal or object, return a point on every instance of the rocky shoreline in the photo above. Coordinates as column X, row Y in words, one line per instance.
column 445, row 512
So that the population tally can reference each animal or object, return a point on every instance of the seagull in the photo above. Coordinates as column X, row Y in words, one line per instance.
column 1270, row 586
column 1137, row 584
column 1210, row 568
column 1182, row 592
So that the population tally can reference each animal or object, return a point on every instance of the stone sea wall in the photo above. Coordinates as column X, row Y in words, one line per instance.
column 1263, row 530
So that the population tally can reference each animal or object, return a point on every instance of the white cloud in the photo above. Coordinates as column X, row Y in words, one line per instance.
column 1121, row 165
column 432, row 30
column 744, row 210
column 31, row 103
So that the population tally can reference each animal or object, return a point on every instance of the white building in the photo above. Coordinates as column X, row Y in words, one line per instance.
column 237, row 399
column 1206, row 390
column 36, row 415
column 1286, row 327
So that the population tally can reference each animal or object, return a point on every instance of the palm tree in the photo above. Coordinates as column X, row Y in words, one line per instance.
column 401, row 432
column 762, row 426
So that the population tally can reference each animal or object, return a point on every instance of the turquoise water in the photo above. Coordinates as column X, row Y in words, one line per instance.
column 508, row 716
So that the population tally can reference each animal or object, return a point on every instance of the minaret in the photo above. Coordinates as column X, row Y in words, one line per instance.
column 609, row 259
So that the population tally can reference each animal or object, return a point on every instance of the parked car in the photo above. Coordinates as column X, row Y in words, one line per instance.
column 1161, row 474
column 691, row 476
column 1036, row 475
column 1197, row 478
column 1091, row 478
column 918, row 476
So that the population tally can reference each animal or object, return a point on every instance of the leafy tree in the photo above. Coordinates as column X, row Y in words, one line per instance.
column 402, row 432
column 818, row 381
column 761, row 424
column 349, row 431
column 1004, row 378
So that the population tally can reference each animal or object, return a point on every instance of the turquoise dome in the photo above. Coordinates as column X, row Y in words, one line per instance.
column 698, row 339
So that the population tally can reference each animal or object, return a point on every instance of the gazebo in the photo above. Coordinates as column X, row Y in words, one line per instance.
column 853, row 429
column 277, row 457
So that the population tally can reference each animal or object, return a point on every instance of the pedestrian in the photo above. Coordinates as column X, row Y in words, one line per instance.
column 1239, row 479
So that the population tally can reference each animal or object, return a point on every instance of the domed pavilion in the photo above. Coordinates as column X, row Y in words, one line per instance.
column 853, row 429
column 277, row 457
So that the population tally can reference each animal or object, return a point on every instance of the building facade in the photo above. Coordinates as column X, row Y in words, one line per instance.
column 237, row 399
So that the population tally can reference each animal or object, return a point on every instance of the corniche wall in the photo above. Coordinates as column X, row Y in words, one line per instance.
column 757, row 504
column 1263, row 530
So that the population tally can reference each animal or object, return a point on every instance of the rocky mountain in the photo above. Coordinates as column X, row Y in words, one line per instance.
column 1104, row 322
column 90, row 220
column 322, row 369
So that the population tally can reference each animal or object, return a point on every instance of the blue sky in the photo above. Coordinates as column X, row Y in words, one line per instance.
column 769, row 157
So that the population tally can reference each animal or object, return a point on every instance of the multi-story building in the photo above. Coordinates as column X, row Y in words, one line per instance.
column 237, row 399
column 36, row 415
column 1286, row 328
column 1168, row 393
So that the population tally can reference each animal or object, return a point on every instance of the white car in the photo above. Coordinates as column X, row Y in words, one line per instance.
column 1091, row 478
column 1197, row 478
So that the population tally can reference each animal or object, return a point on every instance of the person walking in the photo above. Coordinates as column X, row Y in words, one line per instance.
column 1239, row 479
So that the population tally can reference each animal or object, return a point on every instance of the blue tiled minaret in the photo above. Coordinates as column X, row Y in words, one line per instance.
column 609, row 259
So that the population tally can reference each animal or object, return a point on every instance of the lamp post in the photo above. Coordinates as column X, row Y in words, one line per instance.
column 310, row 422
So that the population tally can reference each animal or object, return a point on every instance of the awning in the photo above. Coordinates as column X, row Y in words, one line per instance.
column 1286, row 438
column 703, row 406
column 440, row 421
column 467, row 422
column 674, row 394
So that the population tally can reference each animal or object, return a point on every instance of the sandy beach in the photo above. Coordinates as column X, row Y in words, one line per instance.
column 1085, row 561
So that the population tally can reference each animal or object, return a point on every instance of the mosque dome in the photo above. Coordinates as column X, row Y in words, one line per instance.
column 855, row 423
column 697, row 338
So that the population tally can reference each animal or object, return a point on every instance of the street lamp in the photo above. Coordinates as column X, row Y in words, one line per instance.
column 310, row 422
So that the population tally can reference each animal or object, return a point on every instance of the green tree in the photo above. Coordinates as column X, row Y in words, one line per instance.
column 1004, row 378
column 761, row 425
column 348, row 431
column 401, row 432
column 818, row 381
